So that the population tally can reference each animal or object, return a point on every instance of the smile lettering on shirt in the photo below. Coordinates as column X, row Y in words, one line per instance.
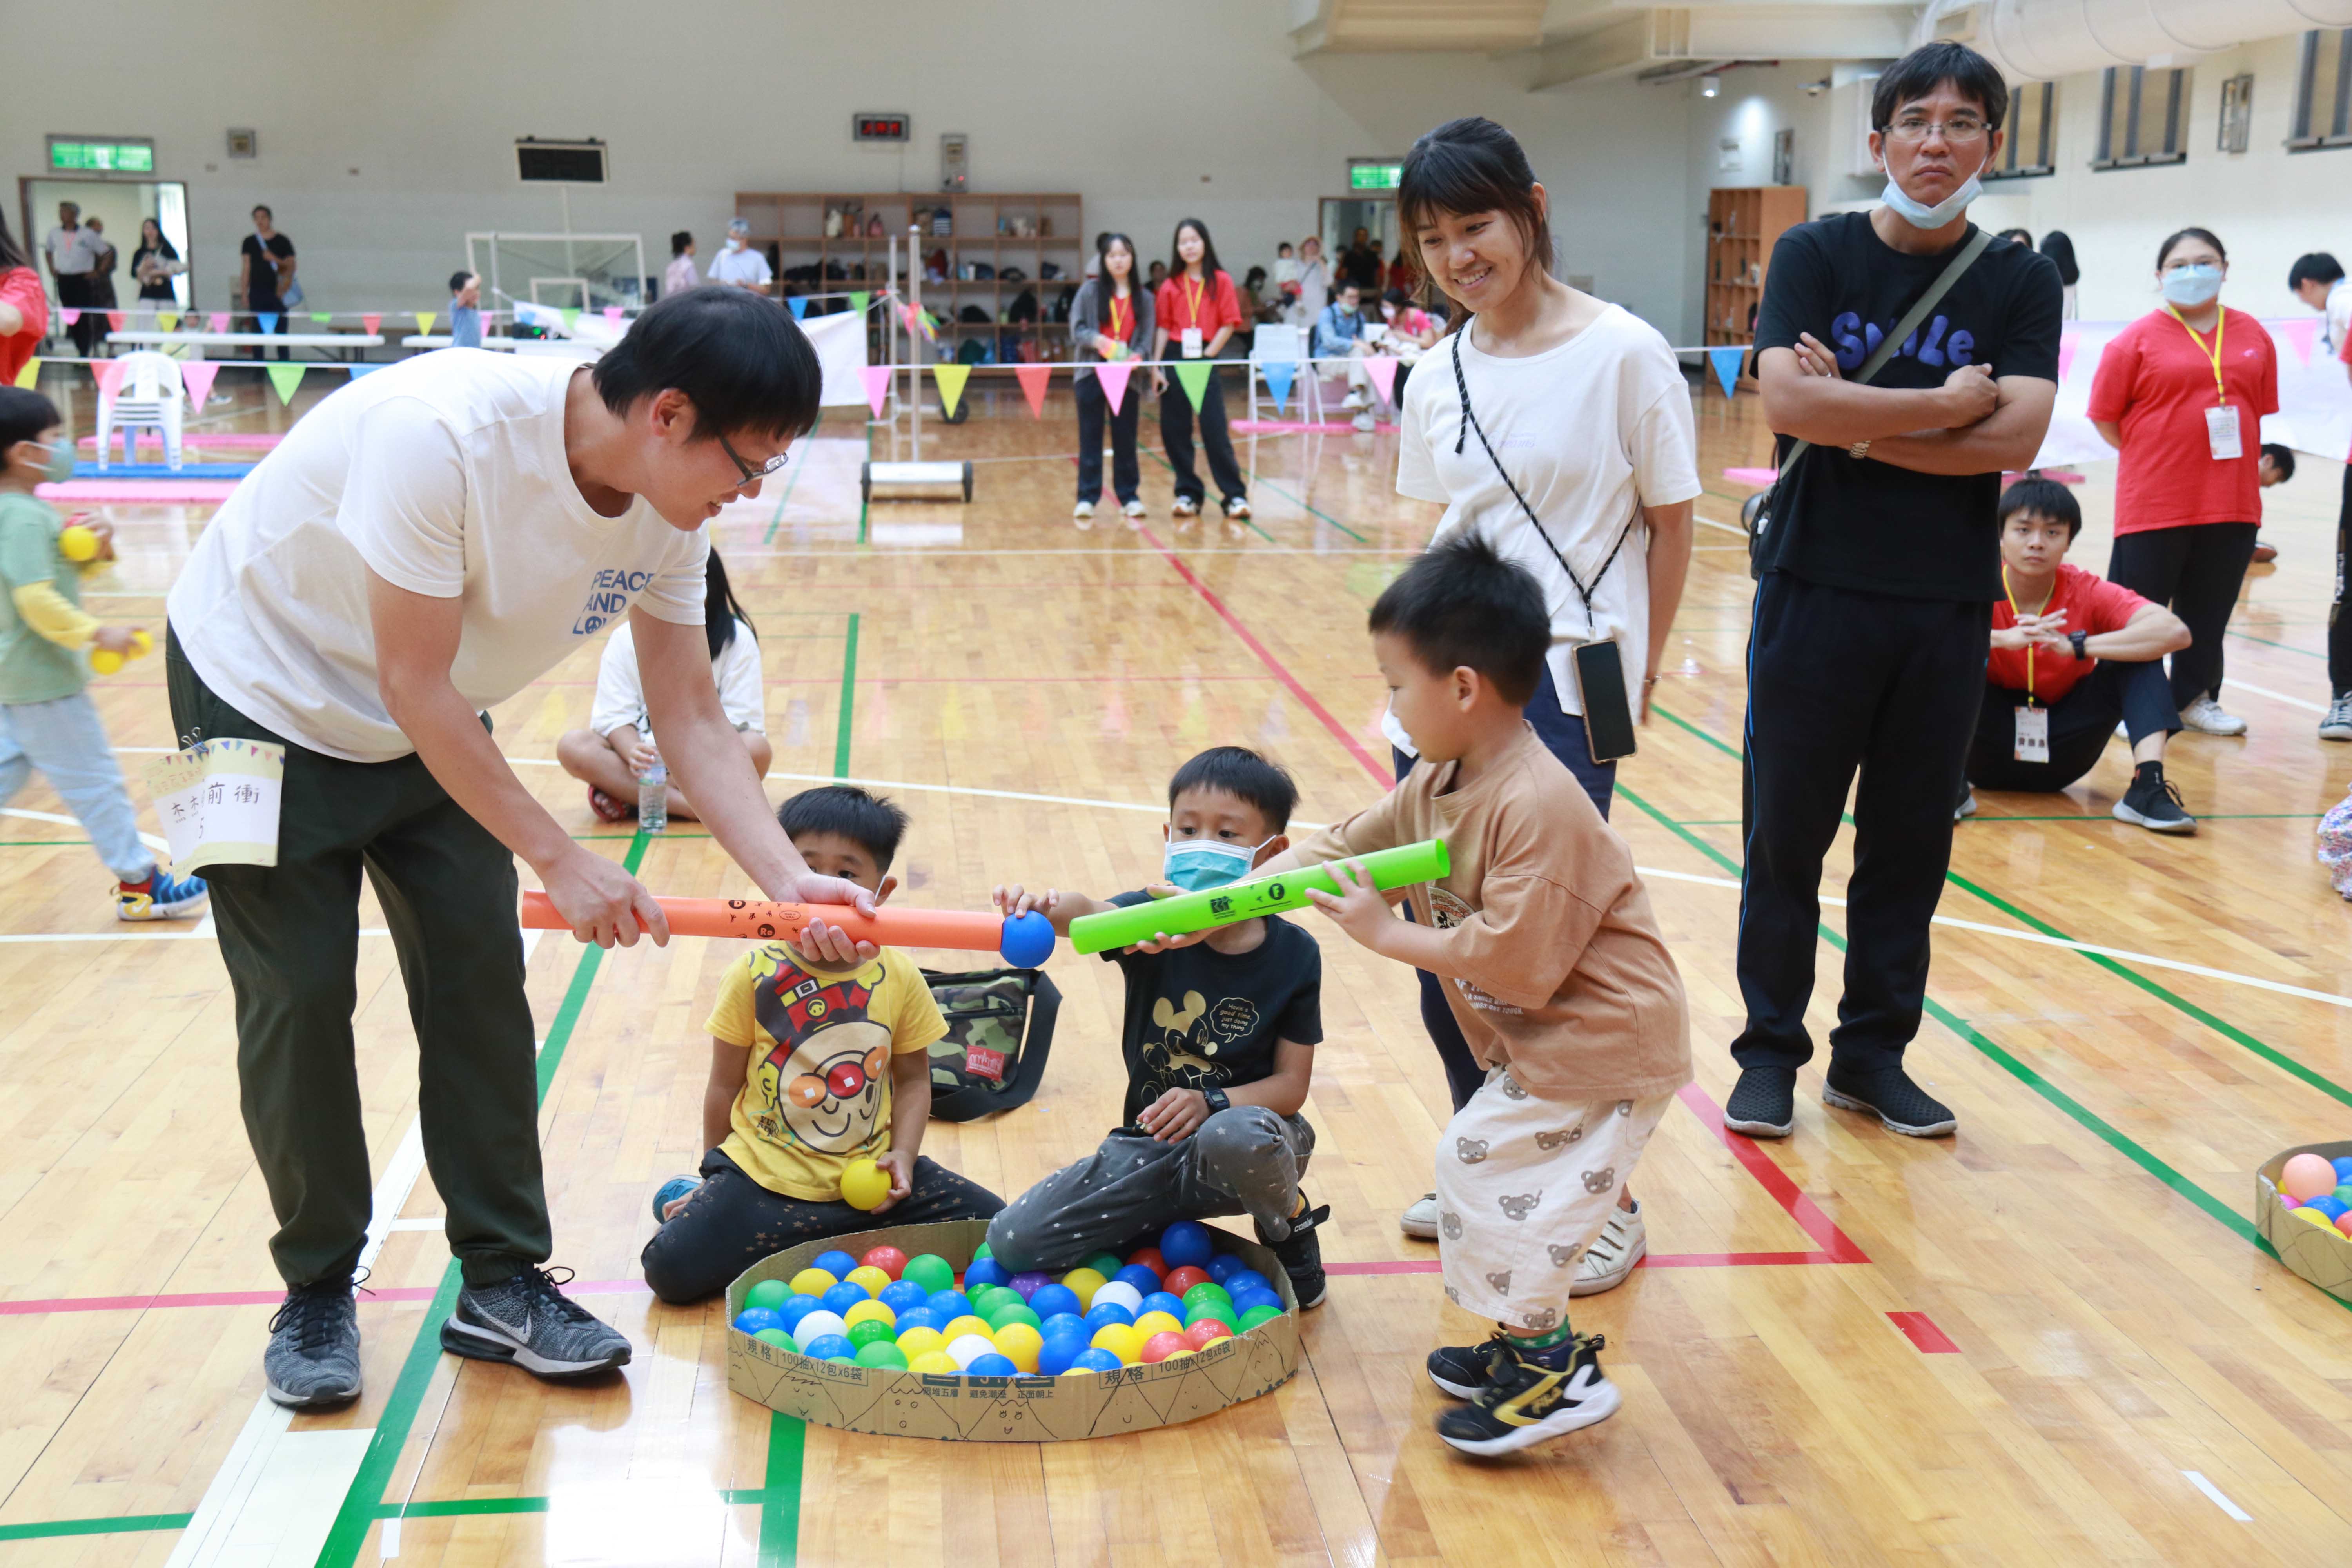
column 608, row 599
column 1941, row 345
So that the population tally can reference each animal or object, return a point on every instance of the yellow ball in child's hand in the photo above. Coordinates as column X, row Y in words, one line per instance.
column 76, row 543
column 104, row 661
column 864, row 1184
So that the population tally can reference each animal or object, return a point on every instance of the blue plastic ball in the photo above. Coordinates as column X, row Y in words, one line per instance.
column 900, row 1295
column 1055, row 1359
column 1241, row 1279
column 1106, row 1313
column 1064, row 1324
column 984, row 1271
column 919, row 1317
column 1092, row 1359
column 1222, row 1265
column 1139, row 1276
column 2343, row 1163
column 836, row 1263
column 992, row 1365
column 795, row 1309
column 1187, row 1244
column 830, row 1347
column 1028, row 941
column 1052, row 1300
column 949, row 1305
column 1161, row 1301
column 752, row 1320
column 844, row 1296
column 2327, row 1203
column 1261, row 1297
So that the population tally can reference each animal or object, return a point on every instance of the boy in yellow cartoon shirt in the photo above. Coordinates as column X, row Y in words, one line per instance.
column 810, row 1068
column 1219, row 1039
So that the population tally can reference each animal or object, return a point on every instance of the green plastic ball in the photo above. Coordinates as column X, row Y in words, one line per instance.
column 989, row 1297
column 882, row 1353
column 1013, row 1312
column 1221, row 1311
column 768, row 1293
column 778, row 1338
column 1257, row 1315
column 1107, row 1264
column 2344, row 1194
column 1208, row 1292
column 982, row 1252
column 931, row 1271
column 872, row 1331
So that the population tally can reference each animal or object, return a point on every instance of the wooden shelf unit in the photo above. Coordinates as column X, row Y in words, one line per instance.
column 1743, row 221
column 793, row 223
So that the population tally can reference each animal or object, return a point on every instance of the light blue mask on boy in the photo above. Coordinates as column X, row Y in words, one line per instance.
column 1194, row 864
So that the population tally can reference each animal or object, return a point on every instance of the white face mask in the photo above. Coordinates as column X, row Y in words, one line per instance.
column 1921, row 216
column 733, row 243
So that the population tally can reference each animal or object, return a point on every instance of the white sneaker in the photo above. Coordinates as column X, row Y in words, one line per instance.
column 2208, row 716
column 1353, row 400
column 2338, row 725
column 1622, row 1242
column 1134, row 509
column 1363, row 423
column 1083, row 510
column 1420, row 1219
column 1185, row 507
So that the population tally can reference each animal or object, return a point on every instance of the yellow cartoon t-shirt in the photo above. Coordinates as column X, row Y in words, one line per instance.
column 818, row 1091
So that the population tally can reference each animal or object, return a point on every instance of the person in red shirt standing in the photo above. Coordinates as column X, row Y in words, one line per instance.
column 1197, row 309
column 2180, row 393
column 23, row 307
column 2072, row 655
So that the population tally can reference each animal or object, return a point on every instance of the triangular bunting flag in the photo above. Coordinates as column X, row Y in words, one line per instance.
column 2303, row 335
column 167, row 321
column 217, row 322
column 571, row 322
column 877, row 385
column 114, row 320
column 197, row 380
column 613, row 314
column 859, row 301
column 424, row 320
column 1279, row 374
column 798, row 305
column 951, row 378
column 110, row 376
column 1033, row 379
column 1193, row 375
column 907, row 319
column 359, row 370
column 2068, row 342
column 322, row 317
column 1114, row 382
column 268, row 320
column 286, row 378
column 1382, row 369
column 72, row 316
column 1726, row 361
column 30, row 375
column 372, row 321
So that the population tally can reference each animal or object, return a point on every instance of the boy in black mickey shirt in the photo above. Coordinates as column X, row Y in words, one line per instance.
column 1218, row 1038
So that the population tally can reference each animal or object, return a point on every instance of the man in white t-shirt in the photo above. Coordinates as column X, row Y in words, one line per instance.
column 738, row 263
column 420, row 548
column 73, row 250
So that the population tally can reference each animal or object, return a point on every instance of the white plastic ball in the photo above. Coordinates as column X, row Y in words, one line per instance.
column 818, row 1324
column 1121, row 1291
column 969, row 1348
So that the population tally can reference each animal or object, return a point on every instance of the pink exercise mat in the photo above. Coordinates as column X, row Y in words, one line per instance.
column 139, row 492
column 237, row 440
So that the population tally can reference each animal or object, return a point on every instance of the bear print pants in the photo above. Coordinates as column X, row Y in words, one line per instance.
column 1523, row 1186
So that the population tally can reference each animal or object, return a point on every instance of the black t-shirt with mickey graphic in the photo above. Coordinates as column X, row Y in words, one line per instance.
column 1198, row 1018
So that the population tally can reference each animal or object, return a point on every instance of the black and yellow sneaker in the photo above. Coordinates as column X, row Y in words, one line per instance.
column 1466, row 1371
column 1534, row 1399
column 1302, row 1254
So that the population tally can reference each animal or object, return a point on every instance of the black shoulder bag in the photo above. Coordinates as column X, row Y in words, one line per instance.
column 1756, row 512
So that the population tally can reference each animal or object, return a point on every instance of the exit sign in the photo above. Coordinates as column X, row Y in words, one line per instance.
column 1365, row 176
column 102, row 157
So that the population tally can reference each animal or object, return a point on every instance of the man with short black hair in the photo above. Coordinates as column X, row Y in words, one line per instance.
column 419, row 549
column 265, row 264
column 1868, row 653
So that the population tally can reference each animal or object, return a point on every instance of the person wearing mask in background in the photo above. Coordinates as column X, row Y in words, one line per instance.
column 679, row 275
column 70, row 248
column 2060, row 249
column 1197, row 309
column 2180, row 395
column 1111, row 320
column 1867, row 657
column 23, row 307
column 2318, row 281
column 465, row 310
column 739, row 264
column 2079, row 653
column 1340, row 335
column 266, row 266
column 155, row 264
column 1313, row 282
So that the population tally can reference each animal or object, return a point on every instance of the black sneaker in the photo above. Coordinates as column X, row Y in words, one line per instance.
column 1466, row 1371
column 526, row 1320
column 1535, row 1399
column 2154, row 802
column 313, row 1359
column 1763, row 1103
column 1302, row 1255
column 1900, row 1105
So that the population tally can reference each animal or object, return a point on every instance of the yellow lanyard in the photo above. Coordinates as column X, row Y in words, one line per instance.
column 2011, row 593
column 1118, row 328
column 1193, row 301
column 2220, row 321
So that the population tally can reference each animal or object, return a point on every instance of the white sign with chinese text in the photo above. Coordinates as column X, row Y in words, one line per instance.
column 218, row 801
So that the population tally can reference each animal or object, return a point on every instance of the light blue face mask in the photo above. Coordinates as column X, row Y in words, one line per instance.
column 1922, row 216
column 59, row 465
column 2192, row 286
column 1194, row 864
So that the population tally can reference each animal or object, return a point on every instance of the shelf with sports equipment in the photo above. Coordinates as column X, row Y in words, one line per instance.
column 1743, row 223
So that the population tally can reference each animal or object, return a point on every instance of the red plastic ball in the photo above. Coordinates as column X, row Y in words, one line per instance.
column 1160, row 1347
column 888, row 1259
column 1206, row 1333
column 1180, row 1280
column 1150, row 1258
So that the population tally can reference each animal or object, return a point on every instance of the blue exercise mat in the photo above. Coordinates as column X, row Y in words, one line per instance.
column 91, row 470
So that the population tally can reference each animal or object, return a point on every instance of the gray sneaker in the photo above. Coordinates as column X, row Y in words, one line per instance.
column 529, row 1321
column 2338, row 725
column 313, row 1359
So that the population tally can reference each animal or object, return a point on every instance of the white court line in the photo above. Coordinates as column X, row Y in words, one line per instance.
column 2221, row 1499
column 149, row 839
column 2233, row 684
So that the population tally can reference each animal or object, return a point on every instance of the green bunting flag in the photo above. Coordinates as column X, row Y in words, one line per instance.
column 1193, row 375
column 286, row 378
column 859, row 301
column 571, row 322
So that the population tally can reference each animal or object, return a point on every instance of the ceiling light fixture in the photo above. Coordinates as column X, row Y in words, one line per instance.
column 1709, row 86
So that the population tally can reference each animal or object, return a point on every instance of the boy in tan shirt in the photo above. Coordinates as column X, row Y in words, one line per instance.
column 1556, row 973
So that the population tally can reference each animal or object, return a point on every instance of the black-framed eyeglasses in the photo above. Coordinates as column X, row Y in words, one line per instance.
column 751, row 475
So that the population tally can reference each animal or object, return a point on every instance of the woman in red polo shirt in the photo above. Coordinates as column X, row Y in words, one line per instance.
column 1197, row 311
column 2181, row 394
column 24, row 308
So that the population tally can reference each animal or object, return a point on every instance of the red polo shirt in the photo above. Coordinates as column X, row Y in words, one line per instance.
column 2156, row 380
column 21, row 287
column 2092, row 604
column 1182, row 303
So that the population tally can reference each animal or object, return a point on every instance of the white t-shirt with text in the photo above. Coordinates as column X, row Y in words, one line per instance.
column 621, row 691
column 445, row 474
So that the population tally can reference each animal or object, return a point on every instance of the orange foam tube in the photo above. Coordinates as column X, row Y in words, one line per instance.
column 749, row 920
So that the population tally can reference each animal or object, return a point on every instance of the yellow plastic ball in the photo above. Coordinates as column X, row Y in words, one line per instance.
column 1086, row 1282
column 870, row 1311
column 1019, row 1344
column 874, row 1279
column 967, row 1324
column 1152, row 1323
column 934, row 1364
column 103, row 661
column 2315, row 1216
column 1173, row 1355
column 77, row 543
column 920, row 1341
column 146, row 643
column 812, row 1282
column 1121, row 1340
column 864, row 1184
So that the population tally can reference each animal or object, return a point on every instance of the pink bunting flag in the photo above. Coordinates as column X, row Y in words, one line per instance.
column 1033, row 379
column 1114, row 380
column 2068, row 342
column 196, row 379
column 613, row 314
column 110, row 376
column 908, row 316
column 114, row 320
column 1382, row 369
column 2302, row 335
column 372, row 321
column 217, row 322
column 72, row 316
column 877, row 385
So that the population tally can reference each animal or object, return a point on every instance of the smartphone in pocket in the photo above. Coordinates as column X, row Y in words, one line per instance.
column 1599, row 671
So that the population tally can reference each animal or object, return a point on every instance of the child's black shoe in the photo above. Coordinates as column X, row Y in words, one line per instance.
column 1535, row 1398
column 1302, row 1254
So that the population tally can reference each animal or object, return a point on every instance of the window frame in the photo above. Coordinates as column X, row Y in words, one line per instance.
column 2047, row 164
column 2179, row 83
column 2302, row 138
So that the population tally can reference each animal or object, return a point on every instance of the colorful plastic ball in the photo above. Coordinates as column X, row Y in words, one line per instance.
column 768, row 1293
column 778, row 1338
column 1149, row 1323
column 752, row 1320
column 1147, row 1257
column 2318, row 1216
column 1049, row 1300
column 917, row 1341
column 874, row 1279
column 1250, row 1301
column 1013, row 1312
column 900, row 1294
column 813, row 1282
column 1209, row 1293
column 2343, row 1194
column 1218, row 1311
column 988, row 1299
column 2327, row 1204
column 1083, row 1283
column 795, row 1309
column 1178, row 1356
column 1137, row 1279
column 1027, row 1283
column 836, row 1263
column 1021, row 1344
column 983, row 1250
column 2343, row 1163
column 1206, row 1333
column 934, row 1364
column 2307, row 1176
column 1105, row 1314
column 1161, row 1301
column 1161, row 1346
column 817, row 1324
column 869, row 1311
column 825, row 1347
column 966, row 1327
column 864, row 1184
column 1121, row 1341
column 1093, row 1360
column 1053, row 1358
column 1026, row 940
column 1242, row 1279
column 919, row 1317
column 1064, row 1323
column 1180, row 1280
column 2343, row 1226
column 992, row 1365
column 882, row 1353
column 888, row 1259
column 1187, row 1244
column 1222, row 1264
column 1121, row 1291
column 930, row 1270
column 846, row 1295
column 1257, row 1315
column 871, row 1332
column 1107, row 1264
column 984, row 1271
column 950, row 1305
column 965, row 1349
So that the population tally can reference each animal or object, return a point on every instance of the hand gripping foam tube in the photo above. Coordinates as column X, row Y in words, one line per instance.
column 1402, row 867
column 1026, row 941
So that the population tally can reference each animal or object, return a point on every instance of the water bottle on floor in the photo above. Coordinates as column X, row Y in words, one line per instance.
column 652, row 799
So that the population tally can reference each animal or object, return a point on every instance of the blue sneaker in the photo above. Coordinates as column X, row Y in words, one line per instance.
column 159, row 898
column 671, row 1191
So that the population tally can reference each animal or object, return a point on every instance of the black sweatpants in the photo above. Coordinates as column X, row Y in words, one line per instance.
column 2339, row 624
column 2080, row 723
column 1094, row 413
column 1176, row 437
column 88, row 327
column 2195, row 571
column 730, row 1222
column 1842, row 682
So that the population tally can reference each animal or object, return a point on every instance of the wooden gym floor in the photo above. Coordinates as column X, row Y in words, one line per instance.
column 2053, row 1338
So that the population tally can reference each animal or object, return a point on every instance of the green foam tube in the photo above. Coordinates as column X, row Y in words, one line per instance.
column 1399, row 868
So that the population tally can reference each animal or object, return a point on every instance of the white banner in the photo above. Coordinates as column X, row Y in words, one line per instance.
column 840, row 343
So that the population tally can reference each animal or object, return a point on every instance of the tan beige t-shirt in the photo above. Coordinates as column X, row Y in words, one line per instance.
column 1561, row 972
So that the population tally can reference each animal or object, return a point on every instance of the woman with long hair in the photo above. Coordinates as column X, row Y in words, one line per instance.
column 23, row 306
column 154, row 264
column 2060, row 248
column 1558, row 426
column 1111, row 320
column 1198, row 310
column 2180, row 395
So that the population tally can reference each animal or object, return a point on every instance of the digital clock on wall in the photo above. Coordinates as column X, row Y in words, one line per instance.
column 879, row 127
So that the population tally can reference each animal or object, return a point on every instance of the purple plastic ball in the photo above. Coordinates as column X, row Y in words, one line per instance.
column 1028, row 1283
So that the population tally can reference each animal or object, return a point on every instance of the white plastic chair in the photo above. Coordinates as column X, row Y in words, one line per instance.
column 149, row 396
column 1274, row 345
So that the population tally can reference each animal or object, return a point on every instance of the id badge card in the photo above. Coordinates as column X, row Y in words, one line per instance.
column 218, row 801
column 1192, row 345
column 2222, row 433
column 2032, row 734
